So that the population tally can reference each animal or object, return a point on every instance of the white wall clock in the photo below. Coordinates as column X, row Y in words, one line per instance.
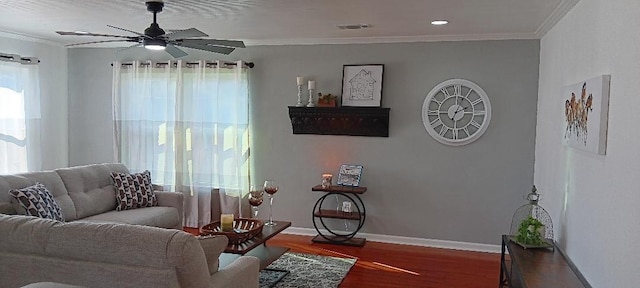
column 456, row 112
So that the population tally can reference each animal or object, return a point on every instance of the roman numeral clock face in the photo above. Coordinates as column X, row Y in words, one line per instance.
column 456, row 112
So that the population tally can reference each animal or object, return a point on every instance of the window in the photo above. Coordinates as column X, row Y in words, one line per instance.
column 19, row 118
column 188, row 125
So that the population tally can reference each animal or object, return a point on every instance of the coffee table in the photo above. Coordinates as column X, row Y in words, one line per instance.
column 257, row 246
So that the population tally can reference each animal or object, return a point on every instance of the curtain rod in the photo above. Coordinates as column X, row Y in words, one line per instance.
column 19, row 59
column 247, row 64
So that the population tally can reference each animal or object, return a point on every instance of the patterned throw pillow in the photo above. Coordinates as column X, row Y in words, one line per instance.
column 126, row 196
column 146, row 189
column 133, row 190
column 38, row 201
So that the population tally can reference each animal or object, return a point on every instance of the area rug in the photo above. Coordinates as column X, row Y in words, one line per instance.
column 306, row 270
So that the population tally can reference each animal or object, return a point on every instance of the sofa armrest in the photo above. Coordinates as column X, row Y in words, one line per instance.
column 172, row 199
column 244, row 272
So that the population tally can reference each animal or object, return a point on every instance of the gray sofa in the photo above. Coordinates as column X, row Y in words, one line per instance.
column 86, row 193
column 34, row 250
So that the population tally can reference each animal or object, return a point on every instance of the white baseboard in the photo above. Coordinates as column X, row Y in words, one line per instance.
column 434, row 243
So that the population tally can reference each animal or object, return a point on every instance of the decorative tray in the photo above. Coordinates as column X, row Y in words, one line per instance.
column 243, row 230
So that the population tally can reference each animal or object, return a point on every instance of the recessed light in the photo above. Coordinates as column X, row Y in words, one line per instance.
column 439, row 22
column 354, row 26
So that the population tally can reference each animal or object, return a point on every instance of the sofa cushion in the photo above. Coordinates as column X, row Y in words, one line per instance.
column 213, row 246
column 50, row 179
column 36, row 200
column 163, row 217
column 90, row 187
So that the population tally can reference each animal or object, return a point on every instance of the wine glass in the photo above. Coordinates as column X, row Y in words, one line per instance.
column 255, row 199
column 270, row 188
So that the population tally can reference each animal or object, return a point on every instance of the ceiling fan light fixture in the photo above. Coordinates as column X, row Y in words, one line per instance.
column 154, row 44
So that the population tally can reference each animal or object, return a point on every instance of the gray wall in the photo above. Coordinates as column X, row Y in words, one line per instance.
column 417, row 186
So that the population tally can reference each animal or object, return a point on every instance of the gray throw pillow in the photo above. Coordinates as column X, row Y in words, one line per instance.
column 36, row 200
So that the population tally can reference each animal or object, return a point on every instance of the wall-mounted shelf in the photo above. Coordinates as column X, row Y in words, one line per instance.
column 352, row 121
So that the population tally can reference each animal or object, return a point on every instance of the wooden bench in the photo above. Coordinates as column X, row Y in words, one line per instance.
column 533, row 268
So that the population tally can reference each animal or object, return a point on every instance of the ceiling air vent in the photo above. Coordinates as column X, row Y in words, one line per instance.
column 354, row 26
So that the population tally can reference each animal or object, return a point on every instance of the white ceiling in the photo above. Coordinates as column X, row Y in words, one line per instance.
column 269, row 22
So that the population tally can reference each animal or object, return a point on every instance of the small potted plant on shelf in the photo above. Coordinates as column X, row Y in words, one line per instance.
column 327, row 100
column 531, row 233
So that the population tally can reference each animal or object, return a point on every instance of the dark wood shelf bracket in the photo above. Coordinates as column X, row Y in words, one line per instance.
column 351, row 121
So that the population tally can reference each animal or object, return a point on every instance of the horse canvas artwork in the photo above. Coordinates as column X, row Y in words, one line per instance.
column 586, row 106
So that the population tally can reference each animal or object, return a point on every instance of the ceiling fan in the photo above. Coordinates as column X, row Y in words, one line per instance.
column 154, row 38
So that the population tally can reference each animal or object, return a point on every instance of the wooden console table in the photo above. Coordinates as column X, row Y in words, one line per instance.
column 533, row 268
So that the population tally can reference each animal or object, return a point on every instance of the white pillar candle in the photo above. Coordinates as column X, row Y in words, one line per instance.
column 312, row 84
column 300, row 80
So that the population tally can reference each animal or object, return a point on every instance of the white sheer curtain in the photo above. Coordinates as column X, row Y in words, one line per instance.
column 19, row 118
column 188, row 123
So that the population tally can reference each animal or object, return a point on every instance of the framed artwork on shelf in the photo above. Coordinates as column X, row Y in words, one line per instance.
column 586, row 107
column 362, row 85
column 349, row 175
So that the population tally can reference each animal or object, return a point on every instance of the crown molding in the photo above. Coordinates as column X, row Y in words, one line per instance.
column 392, row 39
column 563, row 8
column 24, row 37
column 434, row 243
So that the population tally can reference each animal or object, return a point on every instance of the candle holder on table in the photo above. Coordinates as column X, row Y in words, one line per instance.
column 299, row 103
column 299, row 82
column 312, row 86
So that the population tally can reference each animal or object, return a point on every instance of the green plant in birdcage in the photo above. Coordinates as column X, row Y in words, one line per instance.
column 530, row 232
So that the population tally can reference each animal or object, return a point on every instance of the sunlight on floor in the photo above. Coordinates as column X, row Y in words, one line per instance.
column 396, row 268
column 360, row 262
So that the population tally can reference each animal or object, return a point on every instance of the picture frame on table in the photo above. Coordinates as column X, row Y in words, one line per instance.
column 362, row 85
column 350, row 175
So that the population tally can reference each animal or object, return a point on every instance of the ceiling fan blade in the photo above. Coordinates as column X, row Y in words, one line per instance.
column 216, row 49
column 130, row 31
column 94, row 42
column 188, row 33
column 90, row 34
column 175, row 51
column 133, row 46
column 217, row 42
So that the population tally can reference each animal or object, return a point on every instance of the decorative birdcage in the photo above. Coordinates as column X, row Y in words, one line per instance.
column 531, row 225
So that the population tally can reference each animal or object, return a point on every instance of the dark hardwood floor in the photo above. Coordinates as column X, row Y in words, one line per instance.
column 392, row 265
